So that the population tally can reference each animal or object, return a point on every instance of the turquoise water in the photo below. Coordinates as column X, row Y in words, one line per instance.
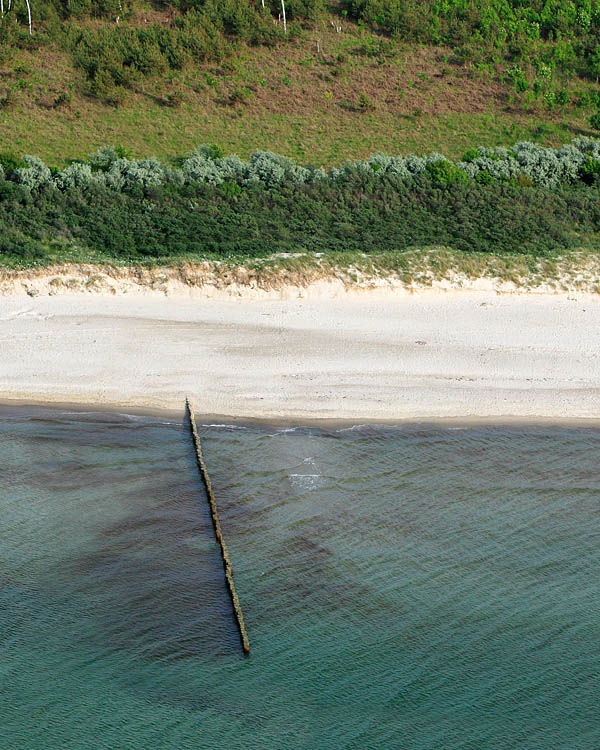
column 403, row 587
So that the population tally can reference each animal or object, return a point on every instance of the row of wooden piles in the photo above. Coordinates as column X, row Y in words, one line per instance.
column 237, row 609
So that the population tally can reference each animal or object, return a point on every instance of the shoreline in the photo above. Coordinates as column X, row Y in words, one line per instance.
column 40, row 409
column 442, row 357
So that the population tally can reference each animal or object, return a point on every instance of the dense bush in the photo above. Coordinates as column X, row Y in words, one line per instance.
column 80, row 8
column 555, row 33
column 231, row 8
column 113, row 55
column 118, row 56
column 129, row 209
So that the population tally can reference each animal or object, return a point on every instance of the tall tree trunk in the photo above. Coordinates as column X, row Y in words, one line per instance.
column 29, row 16
column 284, row 21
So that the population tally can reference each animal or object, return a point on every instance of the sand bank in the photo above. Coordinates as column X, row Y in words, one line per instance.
column 318, row 353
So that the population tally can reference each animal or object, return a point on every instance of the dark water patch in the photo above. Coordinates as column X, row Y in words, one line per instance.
column 158, row 575
column 418, row 587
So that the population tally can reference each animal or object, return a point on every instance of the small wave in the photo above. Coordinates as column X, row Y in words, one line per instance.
column 353, row 428
column 77, row 413
column 304, row 481
column 281, row 431
column 226, row 426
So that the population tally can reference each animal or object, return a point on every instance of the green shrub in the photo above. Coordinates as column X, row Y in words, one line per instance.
column 240, row 95
column 323, row 216
column 470, row 155
column 10, row 161
column 595, row 121
column 484, row 177
column 445, row 172
column 364, row 102
column 174, row 99
column 590, row 171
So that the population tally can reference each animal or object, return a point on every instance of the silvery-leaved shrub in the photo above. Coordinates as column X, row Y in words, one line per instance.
column 497, row 163
column 349, row 169
column 499, row 169
column 389, row 165
column 34, row 175
column 570, row 160
column 588, row 146
column 415, row 164
column 271, row 169
column 76, row 176
column 1, row 172
column 202, row 165
column 540, row 164
column 317, row 174
column 198, row 167
column 434, row 157
column 103, row 158
column 233, row 169
column 380, row 164
column 546, row 167
column 173, row 176
column 352, row 168
column 144, row 173
column 397, row 167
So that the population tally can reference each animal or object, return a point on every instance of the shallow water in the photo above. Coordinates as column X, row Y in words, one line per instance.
column 403, row 587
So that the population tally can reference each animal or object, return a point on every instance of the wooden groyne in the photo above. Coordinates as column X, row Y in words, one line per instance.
column 237, row 608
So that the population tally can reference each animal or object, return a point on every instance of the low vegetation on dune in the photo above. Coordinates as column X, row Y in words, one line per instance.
column 527, row 200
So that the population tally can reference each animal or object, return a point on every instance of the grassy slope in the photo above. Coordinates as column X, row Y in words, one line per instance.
column 295, row 100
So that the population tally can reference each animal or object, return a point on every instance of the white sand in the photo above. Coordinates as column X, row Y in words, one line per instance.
column 363, row 356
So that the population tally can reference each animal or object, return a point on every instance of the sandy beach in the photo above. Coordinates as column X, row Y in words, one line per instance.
column 317, row 353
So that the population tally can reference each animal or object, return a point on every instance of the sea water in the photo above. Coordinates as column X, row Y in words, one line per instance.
column 415, row 586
